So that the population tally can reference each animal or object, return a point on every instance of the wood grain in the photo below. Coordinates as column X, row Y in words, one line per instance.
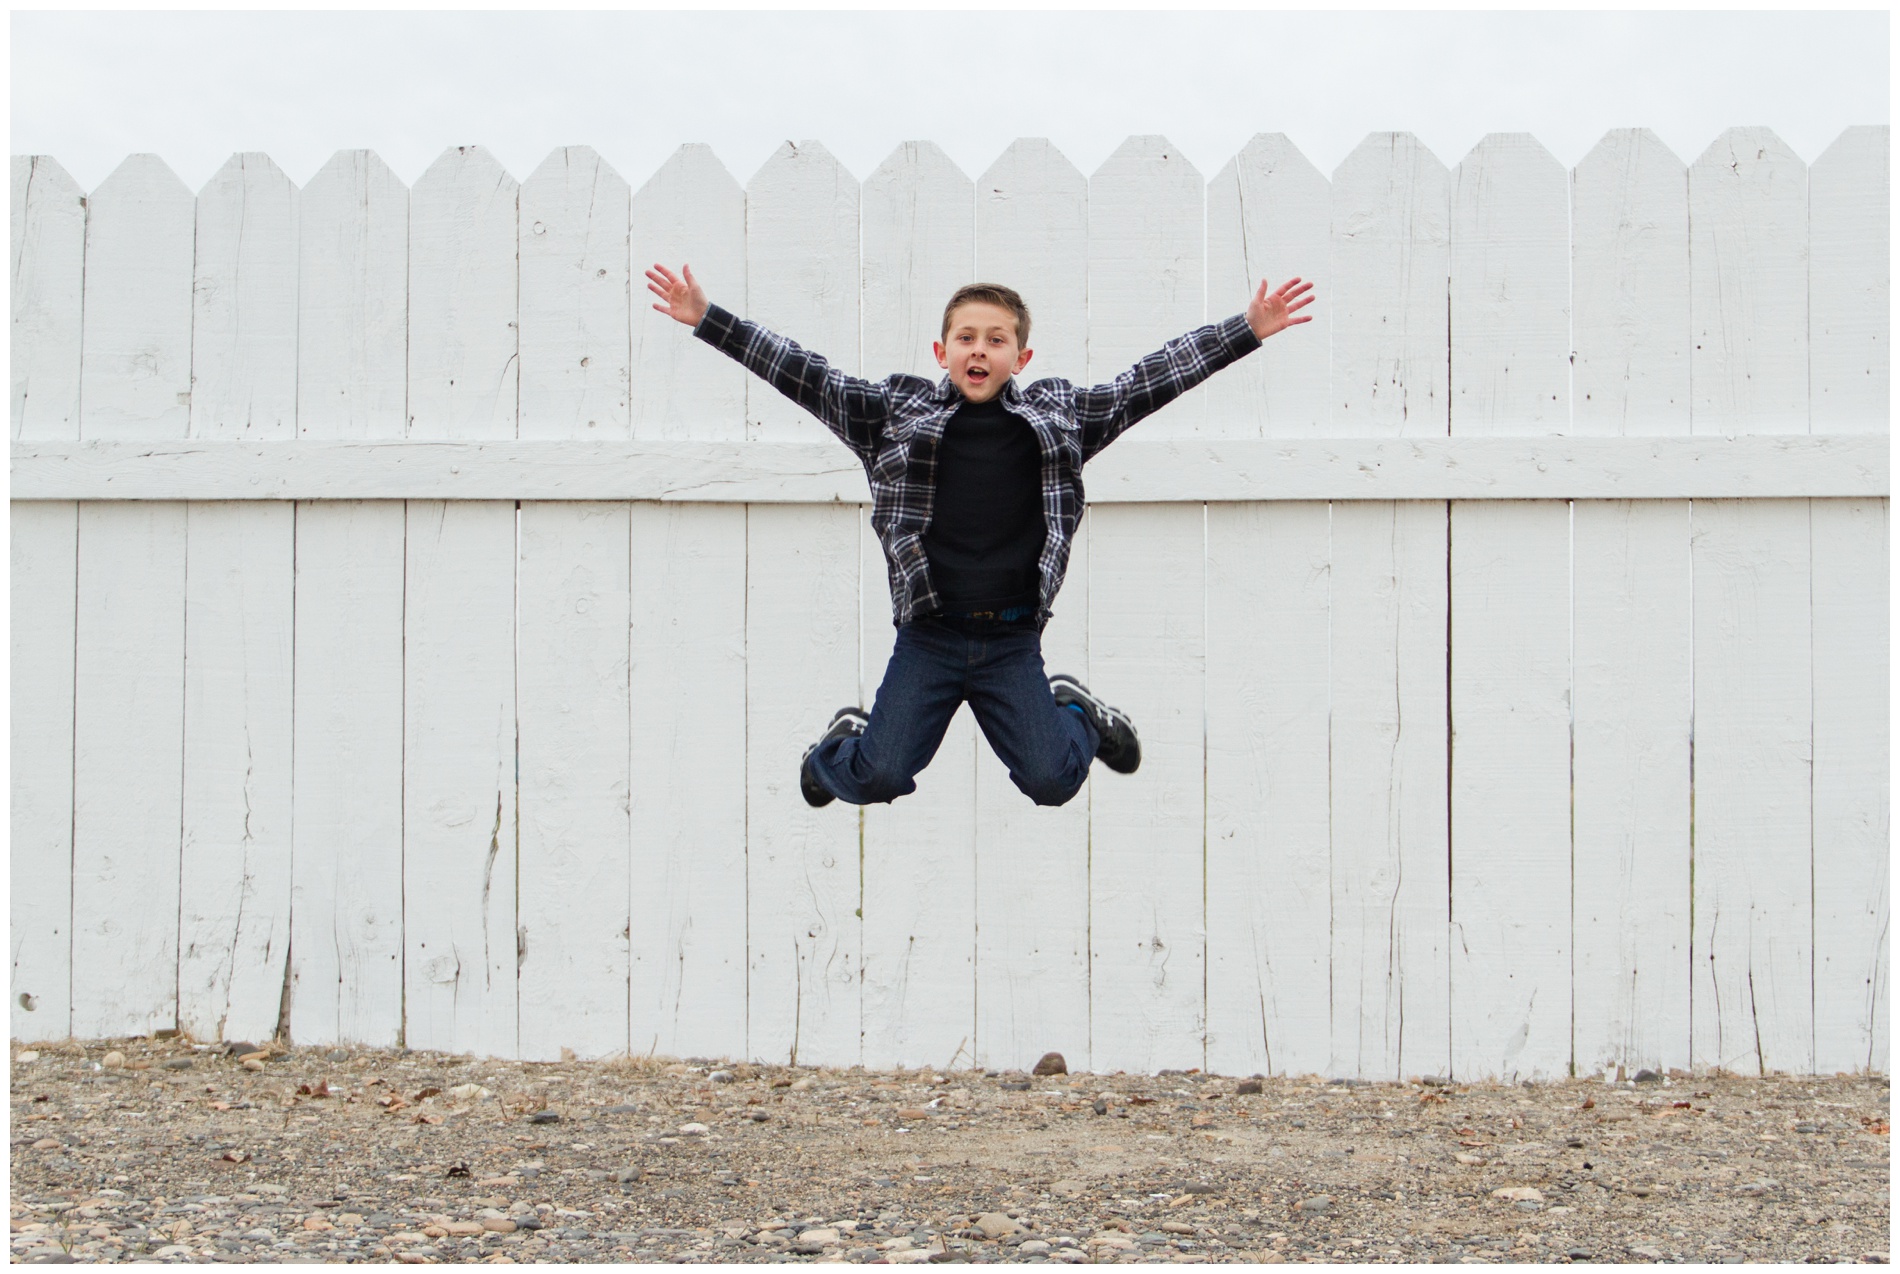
column 135, row 359
column 353, row 301
column 46, row 287
column 576, row 286
column 463, row 293
column 244, row 303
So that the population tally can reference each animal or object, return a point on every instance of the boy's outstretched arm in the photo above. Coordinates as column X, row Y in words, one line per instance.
column 851, row 408
column 1105, row 411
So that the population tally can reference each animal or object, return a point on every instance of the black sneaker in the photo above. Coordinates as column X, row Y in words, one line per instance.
column 1120, row 749
column 845, row 721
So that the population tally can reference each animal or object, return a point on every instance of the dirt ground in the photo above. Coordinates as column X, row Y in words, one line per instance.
column 169, row 1150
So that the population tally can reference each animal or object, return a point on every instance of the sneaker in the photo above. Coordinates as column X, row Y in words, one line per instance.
column 844, row 722
column 1120, row 749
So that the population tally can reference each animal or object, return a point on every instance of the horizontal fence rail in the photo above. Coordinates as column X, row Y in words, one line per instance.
column 414, row 636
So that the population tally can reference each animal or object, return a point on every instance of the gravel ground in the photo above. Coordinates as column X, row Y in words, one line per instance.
column 164, row 1149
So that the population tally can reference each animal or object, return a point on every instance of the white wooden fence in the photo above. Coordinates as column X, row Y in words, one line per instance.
column 414, row 637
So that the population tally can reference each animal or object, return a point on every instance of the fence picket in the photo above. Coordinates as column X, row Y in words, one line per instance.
column 1032, row 882
column 689, row 661
column 1748, row 254
column 804, row 940
column 1147, row 917
column 575, row 290
column 47, row 282
column 460, row 850
column 135, row 359
column 43, row 553
column 1510, row 290
column 572, row 757
column 1389, row 784
column 1852, row 818
column 235, row 863
column 1391, row 257
column 1269, row 216
column 346, row 936
column 918, row 217
column 1147, row 279
column 128, row 735
column 919, row 930
column 1270, row 916
column 244, row 304
column 463, row 292
column 801, row 260
column 1032, row 235
column 1630, row 271
column 1849, row 292
column 353, row 301
column 690, row 212
column 1631, row 856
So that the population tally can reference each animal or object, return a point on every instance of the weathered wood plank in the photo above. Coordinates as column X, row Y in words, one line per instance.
column 463, row 291
column 801, row 258
column 46, row 284
column 1147, row 277
column 244, row 303
column 460, row 846
column 1630, row 280
column 1269, row 216
column 135, row 359
column 1510, row 290
column 1753, row 951
column 235, row 863
column 1032, row 235
column 1748, row 271
column 1131, row 472
column 1147, row 914
column 1510, row 789
column 918, row 223
column 689, row 795
column 919, row 876
column 576, row 354
column 691, row 211
column 1631, row 865
column 1032, row 883
column 1390, row 262
column 43, row 561
column 572, row 724
column 1852, row 760
column 128, row 736
column 353, row 301
column 1850, row 349
column 346, row 942
column 803, row 891
column 1389, row 796
column 1273, row 946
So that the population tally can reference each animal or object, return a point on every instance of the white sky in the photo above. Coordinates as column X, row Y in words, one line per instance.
column 91, row 88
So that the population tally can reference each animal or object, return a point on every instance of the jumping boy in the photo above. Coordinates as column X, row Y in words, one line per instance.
column 976, row 492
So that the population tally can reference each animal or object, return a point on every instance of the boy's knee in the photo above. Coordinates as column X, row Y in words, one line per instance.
column 1049, row 789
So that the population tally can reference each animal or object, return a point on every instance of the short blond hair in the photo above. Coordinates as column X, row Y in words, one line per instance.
column 991, row 294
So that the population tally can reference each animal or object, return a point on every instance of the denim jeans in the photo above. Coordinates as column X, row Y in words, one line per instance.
column 937, row 665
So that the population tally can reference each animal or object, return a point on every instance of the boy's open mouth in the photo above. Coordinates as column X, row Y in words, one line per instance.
column 977, row 374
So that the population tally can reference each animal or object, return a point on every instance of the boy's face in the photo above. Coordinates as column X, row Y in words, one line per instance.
column 981, row 351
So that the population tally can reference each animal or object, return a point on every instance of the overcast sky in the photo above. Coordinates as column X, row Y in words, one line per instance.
column 91, row 88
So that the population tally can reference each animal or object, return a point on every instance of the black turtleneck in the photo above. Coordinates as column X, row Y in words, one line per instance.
column 986, row 530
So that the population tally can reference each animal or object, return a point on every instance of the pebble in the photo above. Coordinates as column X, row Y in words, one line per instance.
column 113, row 1061
column 1314, row 1205
column 1051, row 1064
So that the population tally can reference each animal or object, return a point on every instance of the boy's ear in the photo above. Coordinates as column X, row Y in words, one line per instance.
column 1022, row 360
column 943, row 355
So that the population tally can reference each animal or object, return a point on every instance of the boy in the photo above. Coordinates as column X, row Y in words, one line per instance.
column 976, row 491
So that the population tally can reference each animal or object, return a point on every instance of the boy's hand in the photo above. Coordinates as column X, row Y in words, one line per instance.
column 682, row 300
column 1268, row 312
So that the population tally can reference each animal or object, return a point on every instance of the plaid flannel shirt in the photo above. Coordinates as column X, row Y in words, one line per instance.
column 895, row 425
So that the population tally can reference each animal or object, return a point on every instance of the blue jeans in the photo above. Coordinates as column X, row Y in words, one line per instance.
column 937, row 665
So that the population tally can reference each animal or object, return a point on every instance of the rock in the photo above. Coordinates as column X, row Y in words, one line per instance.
column 804, row 1085
column 1015, row 1085
column 1033, row 1247
column 1202, row 1120
column 694, row 1130
column 238, row 1048
column 255, row 1055
column 1578, row 1253
column 498, row 1224
column 1469, row 1160
column 113, row 1060
column 1176, row 1227
column 176, row 1064
column 1249, row 1088
column 46, row 1143
column 1647, row 1253
column 1649, row 1077
column 912, row 1112
column 1066, row 1189
column 544, row 1117
column 1051, row 1064
column 317, row 1223
column 253, row 1064
column 465, row 1229
column 1100, row 1106
column 1518, row 1194
column 721, row 1077
column 30, row 1055
column 996, row 1225
column 467, row 1092
column 338, row 1055
column 1314, row 1206
column 1434, row 1081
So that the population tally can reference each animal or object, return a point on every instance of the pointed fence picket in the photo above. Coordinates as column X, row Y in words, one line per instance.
column 517, row 774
